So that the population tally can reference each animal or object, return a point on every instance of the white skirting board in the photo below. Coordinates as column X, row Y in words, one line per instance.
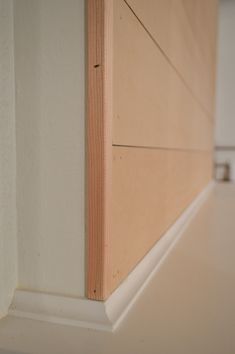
column 109, row 314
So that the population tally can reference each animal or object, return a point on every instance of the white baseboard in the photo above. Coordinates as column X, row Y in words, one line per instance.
column 105, row 315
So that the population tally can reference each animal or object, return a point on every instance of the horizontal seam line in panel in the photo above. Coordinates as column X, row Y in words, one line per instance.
column 161, row 148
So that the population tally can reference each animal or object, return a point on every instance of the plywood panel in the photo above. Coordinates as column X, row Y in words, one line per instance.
column 150, row 190
column 202, row 17
column 152, row 106
column 150, row 154
column 167, row 23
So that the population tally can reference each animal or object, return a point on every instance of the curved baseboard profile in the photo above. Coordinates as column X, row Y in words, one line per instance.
column 105, row 315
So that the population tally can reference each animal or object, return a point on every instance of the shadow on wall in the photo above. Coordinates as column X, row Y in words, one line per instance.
column 28, row 137
column 49, row 67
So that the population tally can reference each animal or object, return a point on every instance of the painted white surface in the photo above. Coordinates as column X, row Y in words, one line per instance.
column 187, row 308
column 225, row 110
column 49, row 58
column 106, row 315
column 8, row 243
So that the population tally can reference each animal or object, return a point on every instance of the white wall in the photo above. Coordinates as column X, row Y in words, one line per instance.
column 225, row 116
column 49, row 57
column 8, row 243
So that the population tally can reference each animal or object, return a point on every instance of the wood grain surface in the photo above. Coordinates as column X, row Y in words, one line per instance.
column 151, row 188
column 150, row 107
column 99, row 145
column 172, row 28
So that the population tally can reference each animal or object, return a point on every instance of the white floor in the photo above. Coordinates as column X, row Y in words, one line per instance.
column 188, row 308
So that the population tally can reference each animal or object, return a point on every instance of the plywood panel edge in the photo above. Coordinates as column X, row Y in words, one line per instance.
column 99, row 145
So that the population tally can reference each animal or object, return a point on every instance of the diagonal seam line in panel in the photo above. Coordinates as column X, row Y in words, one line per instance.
column 170, row 62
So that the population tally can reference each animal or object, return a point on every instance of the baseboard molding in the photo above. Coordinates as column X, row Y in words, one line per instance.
column 109, row 314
